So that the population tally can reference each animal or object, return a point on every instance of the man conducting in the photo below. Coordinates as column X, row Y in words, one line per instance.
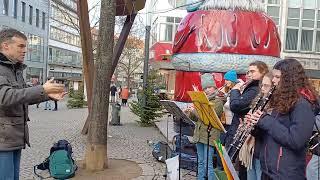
column 15, row 96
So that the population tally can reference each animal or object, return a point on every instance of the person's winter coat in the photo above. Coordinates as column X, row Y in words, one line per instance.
column 285, row 138
column 15, row 97
column 240, row 106
column 200, row 131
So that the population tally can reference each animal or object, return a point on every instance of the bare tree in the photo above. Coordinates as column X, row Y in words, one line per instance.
column 132, row 55
column 131, row 58
column 96, row 149
column 137, row 29
column 72, row 21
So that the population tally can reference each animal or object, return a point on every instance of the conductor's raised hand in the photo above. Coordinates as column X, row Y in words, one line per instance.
column 50, row 87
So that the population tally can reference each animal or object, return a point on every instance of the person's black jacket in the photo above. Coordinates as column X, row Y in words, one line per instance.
column 240, row 106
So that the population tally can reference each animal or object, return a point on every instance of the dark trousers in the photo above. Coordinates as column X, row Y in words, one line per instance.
column 242, row 173
column 55, row 105
column 265, row 177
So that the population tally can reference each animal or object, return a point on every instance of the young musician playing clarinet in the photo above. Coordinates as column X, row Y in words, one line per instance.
column 241, row 97
column 249, row 153
column 287, row 124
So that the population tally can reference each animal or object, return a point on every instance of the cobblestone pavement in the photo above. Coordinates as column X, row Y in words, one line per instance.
column 128, row 141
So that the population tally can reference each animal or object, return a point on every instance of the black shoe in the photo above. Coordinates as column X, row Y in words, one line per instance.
column 45, row 109
column 54, row 109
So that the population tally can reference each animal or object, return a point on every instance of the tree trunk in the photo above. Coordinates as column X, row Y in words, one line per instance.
column 87, row 54
column 96, row 150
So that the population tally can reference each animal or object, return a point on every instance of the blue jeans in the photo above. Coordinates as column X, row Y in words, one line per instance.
column 313, row 168
column 255, row 172
column 202, row 161
column 10, row 164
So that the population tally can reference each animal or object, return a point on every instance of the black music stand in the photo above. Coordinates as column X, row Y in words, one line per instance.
column 175, row 110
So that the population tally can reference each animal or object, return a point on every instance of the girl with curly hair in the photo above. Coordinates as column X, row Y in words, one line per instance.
column 287, row 124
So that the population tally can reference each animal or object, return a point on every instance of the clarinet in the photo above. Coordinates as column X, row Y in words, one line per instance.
column 216, row 92
column 243, row 125
column 245, row 129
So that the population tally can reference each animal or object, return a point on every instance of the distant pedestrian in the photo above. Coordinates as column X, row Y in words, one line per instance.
column 124, row 96
column 113, row 91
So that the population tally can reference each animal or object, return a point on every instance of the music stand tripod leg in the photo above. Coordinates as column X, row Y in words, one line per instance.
column 208, row 148
column 166, row 172
column 180, row 135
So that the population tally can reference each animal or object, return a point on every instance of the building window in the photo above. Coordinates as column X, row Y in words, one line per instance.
column 293, row 17
column 154, row 34
column 308, row 18
column 65, row 57
column 35, row 44
column 34, row 75
column 30, row 14
column 166, row 31
column 170, row 19
column 178, row 3
column 274, row 13
column 37, row 17
column 294, row 3
column 309, row 4
column 292, row 39
column 306, row 40
column 23, row 11
column 274, row 1
column 43, row 20
column 15, row 9
column 318, row 41
column 63, row 36
column 50, row 54
column 5, row 10
column 177, row 19
column 64, row 16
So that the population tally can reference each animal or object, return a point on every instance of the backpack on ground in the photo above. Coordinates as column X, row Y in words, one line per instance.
column 189, row 159
column 60, row 162
column 161, row 151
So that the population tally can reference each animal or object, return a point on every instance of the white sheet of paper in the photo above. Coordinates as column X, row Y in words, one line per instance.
column 173, row 168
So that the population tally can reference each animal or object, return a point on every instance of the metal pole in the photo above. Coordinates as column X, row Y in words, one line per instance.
column 146, row 63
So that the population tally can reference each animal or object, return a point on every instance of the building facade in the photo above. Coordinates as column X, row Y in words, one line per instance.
column 163, row 28
column 299, row 28
column 64, row 54
column 30, row 17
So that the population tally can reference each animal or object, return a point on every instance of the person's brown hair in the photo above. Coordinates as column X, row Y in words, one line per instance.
column 293, row 79
column 262, row 67
column 228, row 89
column 9, row 33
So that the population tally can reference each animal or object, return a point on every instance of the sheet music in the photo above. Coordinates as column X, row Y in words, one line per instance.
column 205, row 111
